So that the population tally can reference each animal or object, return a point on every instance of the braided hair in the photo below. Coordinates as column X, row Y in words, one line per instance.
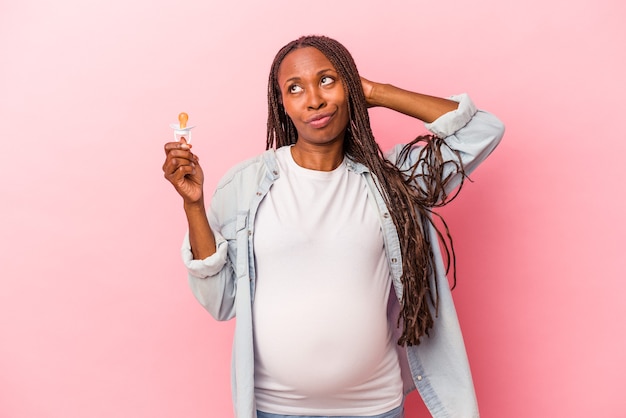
column 410, row 207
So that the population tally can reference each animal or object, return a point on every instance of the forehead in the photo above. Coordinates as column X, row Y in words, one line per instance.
column 302, row 63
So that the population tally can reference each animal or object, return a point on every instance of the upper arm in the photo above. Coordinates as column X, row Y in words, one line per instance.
column 448, row 160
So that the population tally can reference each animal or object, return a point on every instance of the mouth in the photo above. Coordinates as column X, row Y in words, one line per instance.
column 320, row 120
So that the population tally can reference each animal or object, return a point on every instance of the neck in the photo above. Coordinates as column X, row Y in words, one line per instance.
column 320, row 158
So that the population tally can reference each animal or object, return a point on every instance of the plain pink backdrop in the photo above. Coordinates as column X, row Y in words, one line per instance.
column 96, row 319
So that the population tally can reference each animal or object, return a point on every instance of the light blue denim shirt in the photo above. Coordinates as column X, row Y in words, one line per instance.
column 224, row 283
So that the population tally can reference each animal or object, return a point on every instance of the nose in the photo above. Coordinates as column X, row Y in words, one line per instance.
column 315, row 99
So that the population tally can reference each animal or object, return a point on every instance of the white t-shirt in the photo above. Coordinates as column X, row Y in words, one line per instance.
column 323, row 345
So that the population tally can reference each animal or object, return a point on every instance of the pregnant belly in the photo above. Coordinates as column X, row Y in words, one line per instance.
column 320, row 348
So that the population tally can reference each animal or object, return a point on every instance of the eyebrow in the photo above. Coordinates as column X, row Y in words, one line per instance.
column 320, row 72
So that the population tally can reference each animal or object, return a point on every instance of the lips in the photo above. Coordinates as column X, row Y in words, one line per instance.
column 320, row 120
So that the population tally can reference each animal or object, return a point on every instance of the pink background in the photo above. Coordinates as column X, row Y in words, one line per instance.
column 96, row 319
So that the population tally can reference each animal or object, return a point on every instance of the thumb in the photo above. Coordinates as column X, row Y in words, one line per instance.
column 183, row 143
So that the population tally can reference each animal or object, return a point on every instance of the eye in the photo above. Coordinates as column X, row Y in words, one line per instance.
column 326, row 80
column 294, row 88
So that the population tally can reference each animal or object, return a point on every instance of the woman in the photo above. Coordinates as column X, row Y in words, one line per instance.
column 325, row 250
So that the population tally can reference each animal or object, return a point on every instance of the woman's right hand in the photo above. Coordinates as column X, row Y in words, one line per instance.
column 181, row 168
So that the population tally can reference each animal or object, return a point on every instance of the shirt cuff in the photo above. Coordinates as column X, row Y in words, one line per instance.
column 209, row 266
column 448, row 123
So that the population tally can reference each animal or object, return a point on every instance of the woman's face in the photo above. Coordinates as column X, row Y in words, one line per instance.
column 313, row 96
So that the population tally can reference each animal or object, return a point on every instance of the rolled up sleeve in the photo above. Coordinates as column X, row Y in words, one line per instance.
column 469, row 135
column 450, row 122
column 209, row 266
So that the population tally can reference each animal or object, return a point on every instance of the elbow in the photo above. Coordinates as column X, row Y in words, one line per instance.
column 222, row 312
column 214, row 295
column 496, row 128
column 492, row 131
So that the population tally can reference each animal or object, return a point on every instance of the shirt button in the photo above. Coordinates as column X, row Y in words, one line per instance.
column 386, row 215
column 394, row 260
column 419, row 378
column 258, row 193
column 249, row 232
column 275, row 172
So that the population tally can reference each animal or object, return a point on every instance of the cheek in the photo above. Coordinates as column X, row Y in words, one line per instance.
column 289, row 107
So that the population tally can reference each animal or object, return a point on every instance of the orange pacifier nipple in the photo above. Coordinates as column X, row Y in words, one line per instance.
column 182, row 120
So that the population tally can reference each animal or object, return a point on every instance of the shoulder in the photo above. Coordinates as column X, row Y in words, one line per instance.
column 238, row 186
column 248, row 170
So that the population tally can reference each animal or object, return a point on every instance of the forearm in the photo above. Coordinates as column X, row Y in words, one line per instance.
column 420, row 106
column 201, row 236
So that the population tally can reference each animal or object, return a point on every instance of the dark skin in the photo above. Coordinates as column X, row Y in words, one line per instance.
column 315, row 100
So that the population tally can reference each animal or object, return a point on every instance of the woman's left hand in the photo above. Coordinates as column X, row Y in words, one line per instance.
column 368, row 90
column 423, row 107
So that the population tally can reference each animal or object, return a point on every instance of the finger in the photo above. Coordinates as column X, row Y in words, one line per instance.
column 179, row 157
column 177, row 176
column 183, row 176
column 183, row 143
column 176, row 145
column 172, row 164
column 170, row 146
column 183, row 171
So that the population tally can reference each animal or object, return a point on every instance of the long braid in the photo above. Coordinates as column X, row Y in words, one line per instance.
column 410, row 207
